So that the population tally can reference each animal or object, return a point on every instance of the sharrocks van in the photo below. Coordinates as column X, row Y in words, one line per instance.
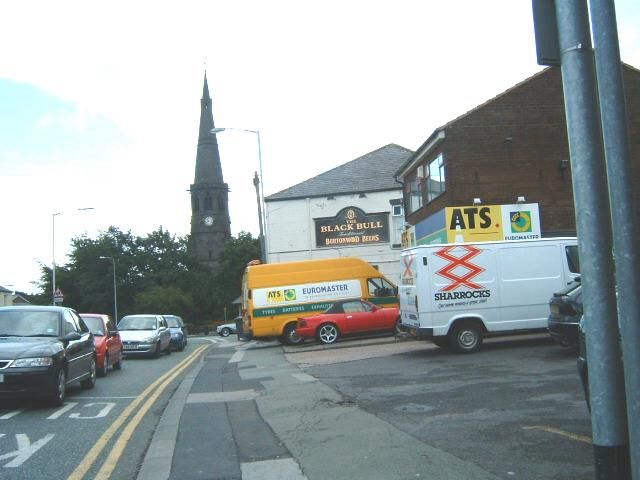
column 455, row 294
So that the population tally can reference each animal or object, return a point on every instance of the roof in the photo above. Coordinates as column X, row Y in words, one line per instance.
column 372, row 172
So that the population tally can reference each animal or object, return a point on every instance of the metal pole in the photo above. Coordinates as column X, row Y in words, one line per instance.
column 263, row 253
column 595, row 243
column 263, row 215
column 53, row 257
column 115, row 292
column 624, row 221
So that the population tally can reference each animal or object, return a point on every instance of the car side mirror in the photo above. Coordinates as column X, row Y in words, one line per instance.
column 71, row 337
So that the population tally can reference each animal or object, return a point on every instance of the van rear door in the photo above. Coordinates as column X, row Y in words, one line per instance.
column 407, row 289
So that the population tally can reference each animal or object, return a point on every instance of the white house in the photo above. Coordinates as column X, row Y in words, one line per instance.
column 353, row 210
column 9, row 298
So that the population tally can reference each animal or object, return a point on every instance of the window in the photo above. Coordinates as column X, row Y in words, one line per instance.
column 572, row 258
column 398, row 211
column 414, row 195
column 69, row 324
column 434, row 184
column 379, row 287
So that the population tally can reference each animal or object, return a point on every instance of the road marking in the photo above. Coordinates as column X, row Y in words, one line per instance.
column 237, row 357
column 61, row 411
column 272, row 470
column 7, row 416
column 111, row 462
column 105, row 398
column 102, row 442
column 108, row 406
column 216, row 397
column 25, row 449
column 557, row 431
column 304, row 377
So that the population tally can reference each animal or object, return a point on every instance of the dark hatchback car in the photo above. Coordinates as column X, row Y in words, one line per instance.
column 178, row 330
column 565, row 311
column 42, row 350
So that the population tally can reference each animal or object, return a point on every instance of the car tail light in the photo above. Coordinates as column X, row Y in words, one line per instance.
column 567, row 309
column 302, row 322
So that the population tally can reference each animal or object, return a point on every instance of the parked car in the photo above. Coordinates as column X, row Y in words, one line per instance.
column 178, row 331
column 146, row 335
column 226, row 329
column 347, row 317
column 565, row 311
column 42, row 350
column 107, row 340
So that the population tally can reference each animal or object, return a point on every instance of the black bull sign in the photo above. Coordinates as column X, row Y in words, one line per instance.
column 351, row 226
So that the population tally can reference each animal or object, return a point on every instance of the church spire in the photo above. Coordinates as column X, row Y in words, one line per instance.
column 210, row 222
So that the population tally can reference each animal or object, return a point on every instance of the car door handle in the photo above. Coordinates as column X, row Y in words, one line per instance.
column 349, row 316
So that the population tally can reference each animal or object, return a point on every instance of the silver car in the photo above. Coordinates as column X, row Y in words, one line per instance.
column 226, row 329
column 146, row 334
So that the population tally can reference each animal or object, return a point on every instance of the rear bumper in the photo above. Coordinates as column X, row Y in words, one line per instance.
column 418, row 332
column 564, row 333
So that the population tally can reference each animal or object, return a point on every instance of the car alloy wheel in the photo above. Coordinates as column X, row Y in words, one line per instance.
column 90, row 382
column 102, row 371
column 59, row 389
column 328, row 333
column 225, row 332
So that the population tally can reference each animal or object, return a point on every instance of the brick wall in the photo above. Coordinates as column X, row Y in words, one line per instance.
column 515, row 144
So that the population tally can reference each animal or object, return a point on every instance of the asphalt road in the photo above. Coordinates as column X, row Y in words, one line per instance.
column 363, row 409
column 515, row 409
column 38, row 442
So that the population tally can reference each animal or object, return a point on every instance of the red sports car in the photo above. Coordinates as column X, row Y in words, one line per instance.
column 347, row 317
column 107, row 340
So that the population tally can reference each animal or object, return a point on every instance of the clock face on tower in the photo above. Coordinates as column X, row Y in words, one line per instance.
column 208, row 221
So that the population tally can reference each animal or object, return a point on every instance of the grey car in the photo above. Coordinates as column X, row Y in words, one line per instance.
column 145, row 334
column 226, row 329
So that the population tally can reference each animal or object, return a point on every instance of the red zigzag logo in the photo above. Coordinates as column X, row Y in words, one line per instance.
column 456, row 262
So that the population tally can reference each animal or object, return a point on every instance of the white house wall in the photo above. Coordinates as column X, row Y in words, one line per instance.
column 291, row 230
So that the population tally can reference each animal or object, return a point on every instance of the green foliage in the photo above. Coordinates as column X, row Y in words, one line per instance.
column 154, row 274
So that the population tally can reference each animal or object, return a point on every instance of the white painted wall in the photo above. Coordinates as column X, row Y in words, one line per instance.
column 291, row 230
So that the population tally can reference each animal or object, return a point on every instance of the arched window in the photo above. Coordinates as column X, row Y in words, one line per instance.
column 195, row 202
column 208, row 204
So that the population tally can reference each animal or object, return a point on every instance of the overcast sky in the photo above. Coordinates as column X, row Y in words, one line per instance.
column 100, row 101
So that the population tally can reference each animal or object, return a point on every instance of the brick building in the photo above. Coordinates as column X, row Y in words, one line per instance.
column 514, row 145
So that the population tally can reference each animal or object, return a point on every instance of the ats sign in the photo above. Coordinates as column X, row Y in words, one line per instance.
column 481, row 223
column 351, row 226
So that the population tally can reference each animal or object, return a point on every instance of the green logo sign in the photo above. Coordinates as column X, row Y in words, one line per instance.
column 520, row 222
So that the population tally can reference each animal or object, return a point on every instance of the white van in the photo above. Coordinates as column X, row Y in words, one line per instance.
column 454, row 294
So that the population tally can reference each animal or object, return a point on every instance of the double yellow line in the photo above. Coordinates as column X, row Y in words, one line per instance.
column 110, row 463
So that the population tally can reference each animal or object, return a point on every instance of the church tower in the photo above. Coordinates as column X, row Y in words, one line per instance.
column 210, row 222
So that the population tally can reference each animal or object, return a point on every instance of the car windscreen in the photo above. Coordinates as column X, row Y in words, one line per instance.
column 137, row 323
column 95, row 324
column 27, row 323
column 173, row 322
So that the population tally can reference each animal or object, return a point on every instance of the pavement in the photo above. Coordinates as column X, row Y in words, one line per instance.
column 244, row 412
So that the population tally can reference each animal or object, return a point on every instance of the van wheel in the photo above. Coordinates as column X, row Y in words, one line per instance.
column 328, row 333
column 290, row 337
column 465, row 338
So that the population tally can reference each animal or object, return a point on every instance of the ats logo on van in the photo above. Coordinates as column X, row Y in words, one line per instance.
column 279, row 296
column 461, row 272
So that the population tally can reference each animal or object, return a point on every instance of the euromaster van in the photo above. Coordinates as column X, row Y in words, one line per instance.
column 455, row 294
column 275, row 295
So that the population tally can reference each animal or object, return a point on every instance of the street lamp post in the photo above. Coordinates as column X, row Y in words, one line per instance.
column 115, row 288
column 53, row 251
column 259, row 186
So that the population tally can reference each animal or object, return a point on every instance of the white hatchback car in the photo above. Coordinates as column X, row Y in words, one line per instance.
column 145, row 335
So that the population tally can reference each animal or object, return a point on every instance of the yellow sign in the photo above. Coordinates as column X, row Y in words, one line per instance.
column 477, row 223
column 275, row 296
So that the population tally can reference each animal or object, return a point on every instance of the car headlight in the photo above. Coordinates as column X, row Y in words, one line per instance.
column 32, row 362
column 150, row 339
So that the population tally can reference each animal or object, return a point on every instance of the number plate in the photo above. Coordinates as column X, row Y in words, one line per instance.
column 1, row 377
column 130, row 347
